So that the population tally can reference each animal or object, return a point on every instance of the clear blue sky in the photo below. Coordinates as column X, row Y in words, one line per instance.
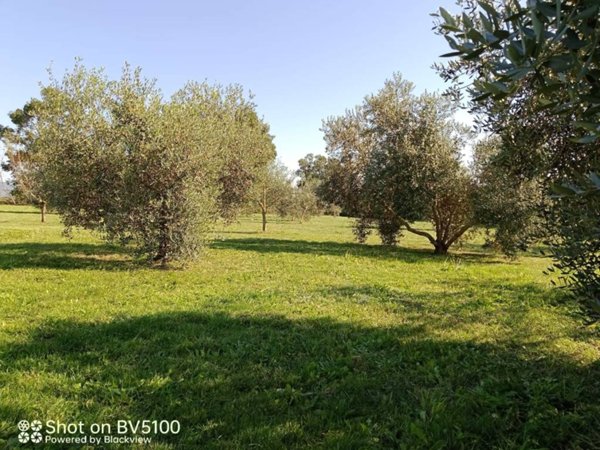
column 303, row 60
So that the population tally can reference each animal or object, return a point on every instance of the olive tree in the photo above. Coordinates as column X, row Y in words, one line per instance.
column 17, row 139
column 509, row 207
column 397, row 160
column 304, row 202
column 312, row 168
column 116, row 157
column 314, row 173
column 272, row 191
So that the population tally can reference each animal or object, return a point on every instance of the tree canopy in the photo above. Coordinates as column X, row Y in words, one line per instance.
column 17, row 140
column 116, row 157
column 396, row 159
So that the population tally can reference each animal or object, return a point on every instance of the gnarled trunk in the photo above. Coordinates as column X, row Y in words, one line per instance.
column 441, row 248
column 443, row 239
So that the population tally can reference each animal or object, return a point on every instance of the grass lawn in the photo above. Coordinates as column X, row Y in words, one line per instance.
column 294, row 338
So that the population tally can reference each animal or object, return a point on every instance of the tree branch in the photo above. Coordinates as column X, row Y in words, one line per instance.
column 459, row 233
column 418, row 232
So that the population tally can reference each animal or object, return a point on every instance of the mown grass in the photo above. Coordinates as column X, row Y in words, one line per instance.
column 296, row 338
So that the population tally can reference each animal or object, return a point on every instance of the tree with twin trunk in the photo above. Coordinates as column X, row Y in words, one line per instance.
column 116, row 157
column 395, row 160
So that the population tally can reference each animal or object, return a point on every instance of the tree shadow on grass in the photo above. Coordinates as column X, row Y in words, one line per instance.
column 412, row 255
column 239, row 232
column 536, row 250
column 69, row 255
column 112, row 257
column 505, row 304
column 269, row 382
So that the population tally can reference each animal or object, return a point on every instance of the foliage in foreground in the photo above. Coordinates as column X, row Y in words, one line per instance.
column 532, row 73
column 295, row 339
column 117, row 158
column 579, row 255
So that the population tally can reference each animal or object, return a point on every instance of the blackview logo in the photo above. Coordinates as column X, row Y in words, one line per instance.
column 79, row 433
column 30, row 431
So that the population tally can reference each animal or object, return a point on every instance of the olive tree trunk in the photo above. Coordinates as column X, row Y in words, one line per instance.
column 263, row 209
column 43, row 208
column 440, row 248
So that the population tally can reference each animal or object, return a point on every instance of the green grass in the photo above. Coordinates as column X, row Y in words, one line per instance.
column 296, row 338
